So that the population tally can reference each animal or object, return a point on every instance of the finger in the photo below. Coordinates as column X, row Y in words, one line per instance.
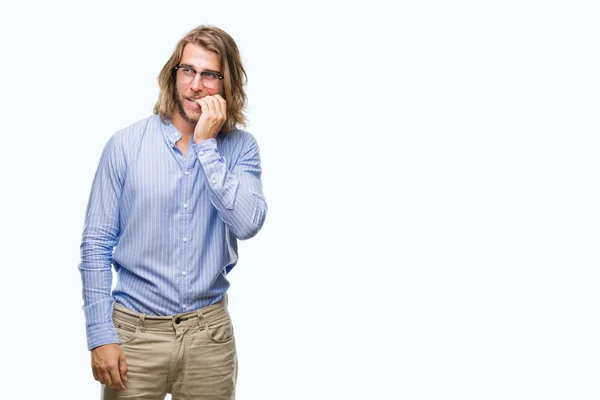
column 221, row 105
column 204, row 106
column 221, row 100
column 210, row 104
column 216, row 107
column 116, row 379
column 123, row 368
column 96, row 375
column 105, row 379
column 96, row 370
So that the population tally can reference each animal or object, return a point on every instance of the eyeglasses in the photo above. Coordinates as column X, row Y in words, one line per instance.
column 187, row 74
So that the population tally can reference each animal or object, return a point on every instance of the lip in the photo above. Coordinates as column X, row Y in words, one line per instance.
column 193, row 103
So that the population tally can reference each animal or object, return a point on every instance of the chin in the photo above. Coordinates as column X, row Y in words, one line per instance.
column 190, row 116
column 193, row 119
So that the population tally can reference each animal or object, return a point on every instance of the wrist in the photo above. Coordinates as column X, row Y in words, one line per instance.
column 198, row 139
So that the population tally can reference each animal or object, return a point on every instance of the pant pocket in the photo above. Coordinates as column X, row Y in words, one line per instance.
column 220, row 329
column 127, row 332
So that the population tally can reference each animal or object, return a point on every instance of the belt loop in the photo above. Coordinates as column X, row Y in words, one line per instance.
column 143, row 322
column 201, row 320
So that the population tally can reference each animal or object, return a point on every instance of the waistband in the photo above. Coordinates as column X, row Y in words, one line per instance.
column 200, row 317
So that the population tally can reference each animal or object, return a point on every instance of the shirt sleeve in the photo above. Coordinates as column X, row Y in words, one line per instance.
column 100, row 236
column 237, row 195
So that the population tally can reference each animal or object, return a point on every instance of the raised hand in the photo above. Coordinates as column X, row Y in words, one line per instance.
column 214, row 114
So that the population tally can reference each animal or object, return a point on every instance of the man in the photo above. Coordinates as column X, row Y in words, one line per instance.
column 171, row 196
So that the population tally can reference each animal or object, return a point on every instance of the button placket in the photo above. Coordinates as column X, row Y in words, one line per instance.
column 185, row 232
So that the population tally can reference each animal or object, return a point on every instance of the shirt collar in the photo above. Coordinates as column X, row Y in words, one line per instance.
column 171, row 134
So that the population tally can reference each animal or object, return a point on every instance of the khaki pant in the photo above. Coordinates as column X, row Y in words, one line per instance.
column 191, row 355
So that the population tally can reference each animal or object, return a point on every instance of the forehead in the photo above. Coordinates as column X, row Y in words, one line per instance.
column 200, row 58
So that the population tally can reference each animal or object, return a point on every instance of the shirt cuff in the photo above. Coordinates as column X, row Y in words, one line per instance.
column 207, row 150
column 103, row 333
column 99, row 325
column 215, row 172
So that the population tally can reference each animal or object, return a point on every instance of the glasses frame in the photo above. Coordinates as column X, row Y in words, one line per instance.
column 196, row 72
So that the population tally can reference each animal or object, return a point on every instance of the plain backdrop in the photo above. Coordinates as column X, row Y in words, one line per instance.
column 431, row 170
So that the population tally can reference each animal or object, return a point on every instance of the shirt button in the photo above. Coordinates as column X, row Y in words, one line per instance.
column 187, row 172
column 185, row 205
column 184, row 239
column 214, row 181
column 185, row 306
column 201, row 153
column 184, row 273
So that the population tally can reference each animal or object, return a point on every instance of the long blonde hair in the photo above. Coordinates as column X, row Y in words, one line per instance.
column 216, row 40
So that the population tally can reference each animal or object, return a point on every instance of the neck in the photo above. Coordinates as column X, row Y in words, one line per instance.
column 184, row 127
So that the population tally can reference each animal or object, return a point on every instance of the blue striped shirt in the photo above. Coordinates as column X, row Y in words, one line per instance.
column 167, row 223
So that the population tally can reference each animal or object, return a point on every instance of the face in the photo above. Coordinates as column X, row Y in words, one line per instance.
column 201, row 60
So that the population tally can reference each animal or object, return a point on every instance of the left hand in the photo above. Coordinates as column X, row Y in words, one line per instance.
column 214, row 114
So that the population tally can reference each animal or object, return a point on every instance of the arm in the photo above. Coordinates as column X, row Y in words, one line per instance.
column 100, row 236
column 237, row 195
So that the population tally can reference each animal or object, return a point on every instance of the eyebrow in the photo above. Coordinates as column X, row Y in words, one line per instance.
column 196, row 69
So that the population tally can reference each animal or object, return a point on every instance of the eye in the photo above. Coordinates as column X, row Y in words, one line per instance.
column 211, row 76
column 188, row 71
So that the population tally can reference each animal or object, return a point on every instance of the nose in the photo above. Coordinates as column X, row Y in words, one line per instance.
column 196, row 83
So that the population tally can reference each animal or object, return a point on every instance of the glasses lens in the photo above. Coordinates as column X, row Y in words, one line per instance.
column 185, row 75
column 209, row 80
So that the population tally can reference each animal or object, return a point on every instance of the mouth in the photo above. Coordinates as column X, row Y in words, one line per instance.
column 193, row 103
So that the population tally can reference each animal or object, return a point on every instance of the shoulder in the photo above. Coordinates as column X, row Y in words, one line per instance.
column 123, row 143
column 139, row 128
column 129, row 137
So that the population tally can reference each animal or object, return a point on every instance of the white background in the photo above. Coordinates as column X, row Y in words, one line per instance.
column 431, row 173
